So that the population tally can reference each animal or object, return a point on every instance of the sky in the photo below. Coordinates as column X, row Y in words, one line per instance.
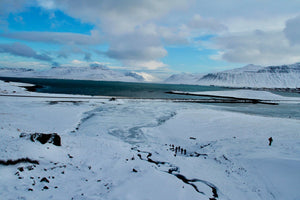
column 159, row 37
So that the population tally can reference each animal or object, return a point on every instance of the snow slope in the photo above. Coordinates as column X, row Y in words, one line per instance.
column 183, row 78
column 93, row 72
column 285, row 76
column 123, row 150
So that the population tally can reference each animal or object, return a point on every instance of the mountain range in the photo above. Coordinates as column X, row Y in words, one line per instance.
column 93, row 72
column 253, row 76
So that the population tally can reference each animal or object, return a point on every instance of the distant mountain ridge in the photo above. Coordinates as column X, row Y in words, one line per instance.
column 253, row 76
column 93, row 72
column 184, row 78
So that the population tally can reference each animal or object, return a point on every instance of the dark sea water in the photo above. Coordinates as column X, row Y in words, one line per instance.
column 157, row 91
column 112, row 88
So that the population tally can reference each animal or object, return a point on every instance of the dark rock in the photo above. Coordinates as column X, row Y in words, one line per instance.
column 21, row 169
column 45, row 188
column 43, row 138
column 32, row 88
column 44, row 179
column 134, row 170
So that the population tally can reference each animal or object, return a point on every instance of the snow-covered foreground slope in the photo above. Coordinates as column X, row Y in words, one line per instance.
column 123, row 150
column 82, row 73
column 285, row 76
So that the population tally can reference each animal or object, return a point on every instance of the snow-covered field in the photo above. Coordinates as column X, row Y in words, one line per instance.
column 123, row 149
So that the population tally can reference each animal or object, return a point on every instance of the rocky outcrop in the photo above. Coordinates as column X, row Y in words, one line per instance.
column 43, row 138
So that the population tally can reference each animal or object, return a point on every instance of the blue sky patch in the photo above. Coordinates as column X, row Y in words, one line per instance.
column 37, row 19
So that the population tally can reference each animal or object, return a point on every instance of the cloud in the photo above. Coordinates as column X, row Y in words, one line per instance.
column 56, row 37
column 87, row 56
column 83, row 63
column 292, row 30
column 148, row 65
column 137, row 31
column 116, row 16
column 281, row 46
column 23, row 50
column 128, row 26
column 258, row 47
column 9, row 6
column 206, row 25
column 24, row 64
column 135, row 48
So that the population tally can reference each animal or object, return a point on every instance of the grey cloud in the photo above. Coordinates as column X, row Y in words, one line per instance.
column 56, row 37
column 87, row 56
column 23, row 50
column 292, row 30
column 258, row 47
column 68, row 50
column 62, row 54
column 206, row 25
column 136, row 46
column 8, row 6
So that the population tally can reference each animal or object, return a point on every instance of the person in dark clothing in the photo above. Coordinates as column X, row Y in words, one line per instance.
column 270, row 141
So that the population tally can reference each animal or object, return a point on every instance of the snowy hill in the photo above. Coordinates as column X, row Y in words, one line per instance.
column 284, row 76
column 93, row 72
column 184, row 78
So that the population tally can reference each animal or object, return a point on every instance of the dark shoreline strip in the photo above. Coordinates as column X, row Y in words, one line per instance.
column 225, row 99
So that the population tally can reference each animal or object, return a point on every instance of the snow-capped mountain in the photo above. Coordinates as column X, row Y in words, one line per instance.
column 93, row 72
column 184, row 78
column 284, row 76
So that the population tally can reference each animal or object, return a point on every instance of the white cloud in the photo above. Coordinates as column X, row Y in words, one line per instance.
column 258, row 47
column 148, row 65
